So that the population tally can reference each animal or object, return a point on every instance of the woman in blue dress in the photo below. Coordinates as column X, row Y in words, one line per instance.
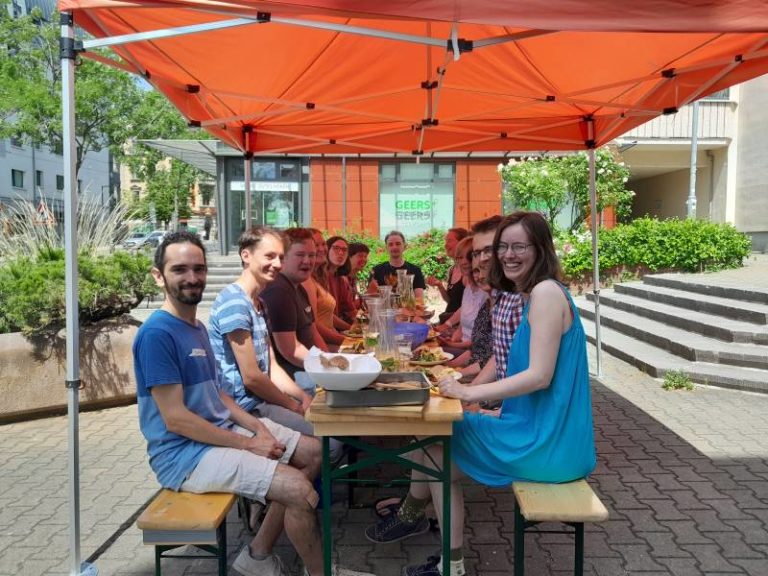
column 543, row 431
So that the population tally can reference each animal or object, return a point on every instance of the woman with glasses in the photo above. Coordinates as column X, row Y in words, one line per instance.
column 473, row 298
column 338, row 281
column 543, row 432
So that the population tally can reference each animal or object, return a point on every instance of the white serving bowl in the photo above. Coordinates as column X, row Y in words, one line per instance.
column 363, row 370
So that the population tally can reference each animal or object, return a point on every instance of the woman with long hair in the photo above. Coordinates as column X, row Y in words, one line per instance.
column 543, row 431
column 338, row 282
column 320, row 298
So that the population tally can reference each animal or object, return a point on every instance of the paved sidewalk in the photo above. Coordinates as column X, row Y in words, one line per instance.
column 684, row 475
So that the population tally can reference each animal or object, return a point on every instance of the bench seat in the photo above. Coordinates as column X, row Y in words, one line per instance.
column 572, row 503
column 175, row 519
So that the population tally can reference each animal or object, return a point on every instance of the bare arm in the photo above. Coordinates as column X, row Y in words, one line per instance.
column 286, row 384
column 486, row 374
column 180, row 420
column 328, row 336
column 254, row 379
column 272, row 448
column 340, row 324
column 290, row 348
column 549, row 317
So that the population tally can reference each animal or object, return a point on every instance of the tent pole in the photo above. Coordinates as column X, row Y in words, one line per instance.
column 72, row 382
column 248, row 206
column 344, row 193
column 595, row 260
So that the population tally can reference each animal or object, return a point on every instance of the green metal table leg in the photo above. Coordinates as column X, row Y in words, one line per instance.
column 325, row 478
column 158, row 557
column 446, row 506
column 519, row 541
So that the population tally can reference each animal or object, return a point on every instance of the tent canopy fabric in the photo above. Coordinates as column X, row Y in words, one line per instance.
column 312, row 78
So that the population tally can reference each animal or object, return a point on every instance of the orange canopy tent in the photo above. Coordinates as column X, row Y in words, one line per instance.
column 404, row 77
column 415, row 78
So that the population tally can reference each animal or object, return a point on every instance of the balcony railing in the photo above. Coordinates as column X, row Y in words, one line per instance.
column 716, row 120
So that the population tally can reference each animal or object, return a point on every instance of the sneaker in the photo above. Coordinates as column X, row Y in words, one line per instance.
column 430, row 568
column 393, row 529
column 433, row 567
column 339, row 571
column 248, row 566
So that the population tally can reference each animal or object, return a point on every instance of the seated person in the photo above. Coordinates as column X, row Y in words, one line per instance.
column 358, row 259
column 199, row 440
column 240, row 339
column 292, row 323
column 544, row 432
column 321, row 299
column 471, row 361
column 385, row 274
column 338, row 267
column 452, row 291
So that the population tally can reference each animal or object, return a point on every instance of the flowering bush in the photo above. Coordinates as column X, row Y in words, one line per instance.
column 555, row 184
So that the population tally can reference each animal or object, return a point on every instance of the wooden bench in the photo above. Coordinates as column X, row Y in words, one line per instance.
column 176, row 519
column 572, row 503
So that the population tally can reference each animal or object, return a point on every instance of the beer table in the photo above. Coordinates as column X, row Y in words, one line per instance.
column 432, row 423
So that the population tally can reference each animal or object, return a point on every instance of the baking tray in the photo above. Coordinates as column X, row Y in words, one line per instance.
column 370, row 397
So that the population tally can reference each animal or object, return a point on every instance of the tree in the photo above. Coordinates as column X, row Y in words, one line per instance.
column 551, row 184
column 168, row 190
column 30, row 101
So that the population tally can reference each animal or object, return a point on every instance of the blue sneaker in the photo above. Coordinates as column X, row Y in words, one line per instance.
column 430, row 568
column 393, row 529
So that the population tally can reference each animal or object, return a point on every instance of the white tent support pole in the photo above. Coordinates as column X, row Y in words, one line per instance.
column 595, row 256
column 247, row 191
column 72, row 382
column 344, row 194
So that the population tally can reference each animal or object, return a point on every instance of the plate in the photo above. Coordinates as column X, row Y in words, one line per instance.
column 356, row 335
column 446, row 356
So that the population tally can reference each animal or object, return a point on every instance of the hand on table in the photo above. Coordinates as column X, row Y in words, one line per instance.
column 451, row 388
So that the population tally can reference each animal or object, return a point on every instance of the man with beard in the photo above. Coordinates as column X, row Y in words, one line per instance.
column 385, row 274
column 199, row 440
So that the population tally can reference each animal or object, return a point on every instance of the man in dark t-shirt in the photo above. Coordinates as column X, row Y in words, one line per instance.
column 385, row 274
column 291, row 322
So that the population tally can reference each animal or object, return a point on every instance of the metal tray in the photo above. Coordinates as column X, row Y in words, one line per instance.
column 371, row 397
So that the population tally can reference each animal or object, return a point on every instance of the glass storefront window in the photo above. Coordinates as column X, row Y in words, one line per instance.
column 275, row 194
column 414, row 198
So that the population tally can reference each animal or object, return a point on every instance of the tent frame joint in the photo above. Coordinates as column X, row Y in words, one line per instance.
column 462, row 44
column 263, row 17
column 73, row 384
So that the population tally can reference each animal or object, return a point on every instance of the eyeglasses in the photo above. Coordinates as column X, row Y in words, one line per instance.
column 487, row 251
column 340, row 249
column 518, row 249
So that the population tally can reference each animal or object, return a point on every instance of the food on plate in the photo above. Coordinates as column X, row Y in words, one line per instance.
column 355, row 331
column 334, row 362
column 436, row 373
column 357, row 347
column 389, row 364
column 425, row 354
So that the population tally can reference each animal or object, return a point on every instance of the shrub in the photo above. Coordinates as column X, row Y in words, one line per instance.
column 32, row 289
column 685, row 245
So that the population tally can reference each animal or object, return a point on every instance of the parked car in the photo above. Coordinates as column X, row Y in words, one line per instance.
column 135, row 240
column 155, row 238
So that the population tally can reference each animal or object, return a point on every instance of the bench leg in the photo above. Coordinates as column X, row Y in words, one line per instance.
column 578, row 569
column 519, row 542
column 221, row 536
column 158, row 557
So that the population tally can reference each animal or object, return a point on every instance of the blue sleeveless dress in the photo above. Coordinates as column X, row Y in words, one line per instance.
column 544, row 436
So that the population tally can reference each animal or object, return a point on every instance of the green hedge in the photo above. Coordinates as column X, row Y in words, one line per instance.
column 683, row 245
column 32, row 289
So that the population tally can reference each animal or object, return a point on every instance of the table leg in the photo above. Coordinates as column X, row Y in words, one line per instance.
column 447, row 506
column 325, row 479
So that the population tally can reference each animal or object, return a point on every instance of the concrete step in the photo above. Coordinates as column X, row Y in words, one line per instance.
column 657, row 362
column 687, row 320
column 721, row 290
column 679, row 342
column 697, row 302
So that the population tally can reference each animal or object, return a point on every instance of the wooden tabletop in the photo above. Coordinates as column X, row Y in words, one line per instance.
column 435, row 418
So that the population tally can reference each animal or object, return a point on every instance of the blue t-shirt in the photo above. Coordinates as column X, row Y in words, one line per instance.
column 168, row 350
column 232, row 310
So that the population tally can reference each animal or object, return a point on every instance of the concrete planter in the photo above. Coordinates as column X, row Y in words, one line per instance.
column 33, row 370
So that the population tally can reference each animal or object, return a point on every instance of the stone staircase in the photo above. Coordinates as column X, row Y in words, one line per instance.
column 714, row 330
column 222, row 270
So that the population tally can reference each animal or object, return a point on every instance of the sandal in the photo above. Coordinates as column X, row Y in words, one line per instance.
column 385, row 507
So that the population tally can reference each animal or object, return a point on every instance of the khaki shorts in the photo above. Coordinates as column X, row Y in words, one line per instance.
column 240, row 471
